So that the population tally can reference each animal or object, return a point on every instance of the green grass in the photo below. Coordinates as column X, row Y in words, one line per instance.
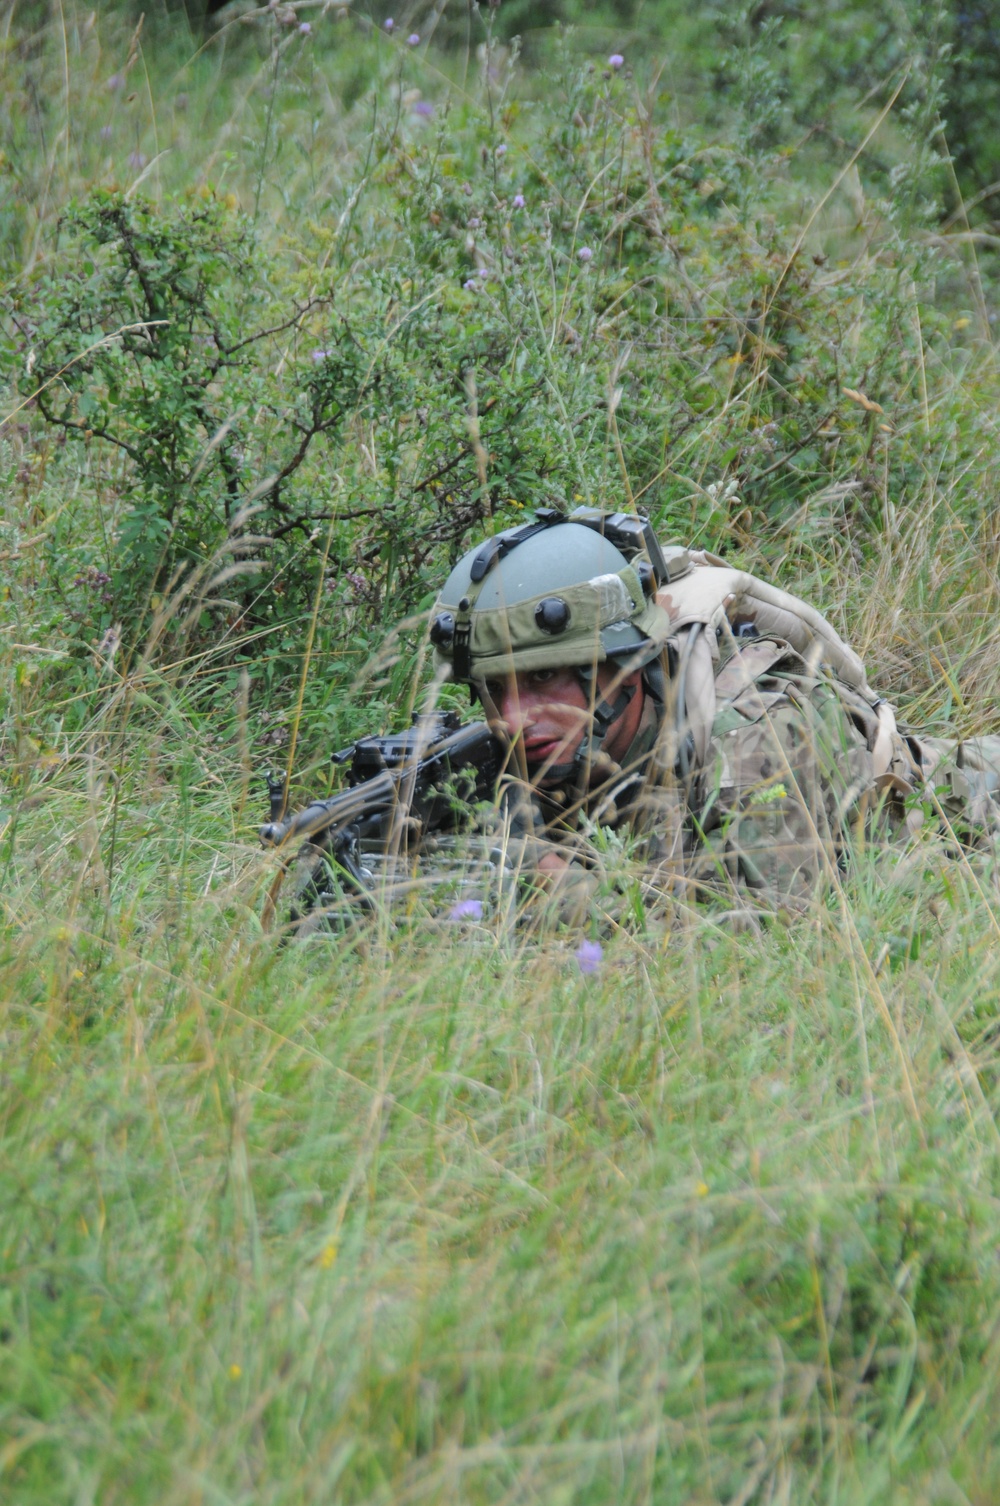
column 422, row 1213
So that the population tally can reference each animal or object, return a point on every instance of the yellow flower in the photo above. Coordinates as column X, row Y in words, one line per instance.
column 328, row 1256
column 701, row 1188
column 235, row 1371
column 769, row 795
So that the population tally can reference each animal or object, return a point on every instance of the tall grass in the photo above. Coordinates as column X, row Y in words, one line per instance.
column 423, row 1212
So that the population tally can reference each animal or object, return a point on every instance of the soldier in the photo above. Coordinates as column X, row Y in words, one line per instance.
column 720, row 716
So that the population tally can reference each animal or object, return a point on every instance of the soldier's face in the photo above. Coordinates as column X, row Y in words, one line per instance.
column 548, row 710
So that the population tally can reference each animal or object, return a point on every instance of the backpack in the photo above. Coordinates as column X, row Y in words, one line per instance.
column 730, row 628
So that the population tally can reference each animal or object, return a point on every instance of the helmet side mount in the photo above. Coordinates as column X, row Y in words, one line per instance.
column 461, row 642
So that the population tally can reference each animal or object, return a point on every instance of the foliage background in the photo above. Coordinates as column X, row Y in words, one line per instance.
column 289, row 316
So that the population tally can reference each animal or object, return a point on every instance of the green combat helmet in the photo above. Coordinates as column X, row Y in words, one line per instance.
column 560, row 592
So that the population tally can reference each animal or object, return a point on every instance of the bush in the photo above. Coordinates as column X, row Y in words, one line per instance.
column 507, row 309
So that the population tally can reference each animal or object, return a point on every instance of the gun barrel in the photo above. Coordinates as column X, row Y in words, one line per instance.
column 340, row 810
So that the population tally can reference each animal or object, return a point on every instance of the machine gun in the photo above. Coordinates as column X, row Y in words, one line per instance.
column 400, row 789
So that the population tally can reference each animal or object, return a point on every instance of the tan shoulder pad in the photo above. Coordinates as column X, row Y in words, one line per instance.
column 717, row 595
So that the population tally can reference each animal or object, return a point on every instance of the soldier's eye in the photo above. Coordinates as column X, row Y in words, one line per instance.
column 495, row 690
column 541, row 677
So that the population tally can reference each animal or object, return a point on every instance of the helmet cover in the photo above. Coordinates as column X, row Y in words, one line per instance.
column 548, row 595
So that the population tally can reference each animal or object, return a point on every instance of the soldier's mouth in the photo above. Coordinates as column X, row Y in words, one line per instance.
column 548, row 750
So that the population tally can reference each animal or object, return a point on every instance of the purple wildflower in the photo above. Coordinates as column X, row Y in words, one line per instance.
column 115, row 82
column 423, row 107
column 137, row 159
column 413, row 39
column 92, row 578
column 518, row 201
column 466, row 909
column 471, row 285
column 105, row 133
column 388, row 24
column 304, row 29
column 584, row 254
column 474, row 222
column 615, row 60
column 588, row 956
column 319, row 355
column 483, row 272
column 502, row 149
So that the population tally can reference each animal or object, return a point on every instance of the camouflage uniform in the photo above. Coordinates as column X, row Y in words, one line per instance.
column 789, row 776
column 786, row 772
